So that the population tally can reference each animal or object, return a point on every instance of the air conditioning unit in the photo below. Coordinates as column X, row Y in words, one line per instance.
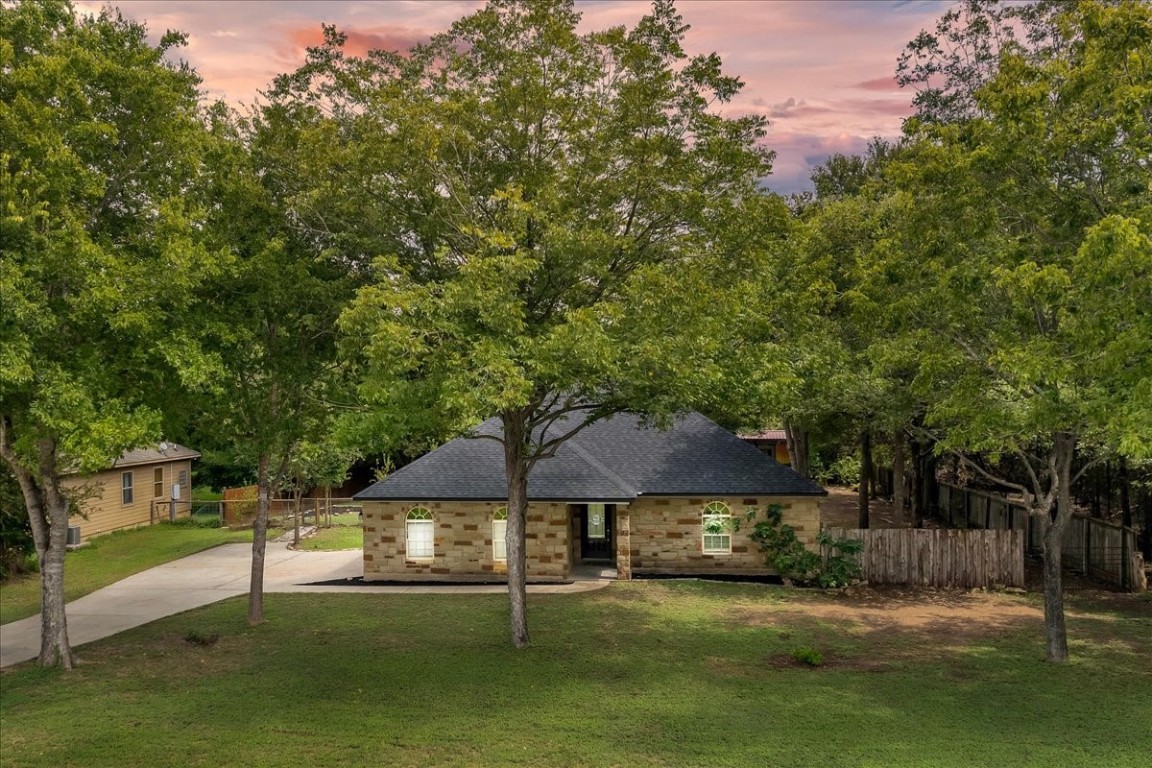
column 73, row 535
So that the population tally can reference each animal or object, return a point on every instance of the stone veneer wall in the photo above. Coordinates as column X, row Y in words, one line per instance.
column 666, row 534
column 463, row 542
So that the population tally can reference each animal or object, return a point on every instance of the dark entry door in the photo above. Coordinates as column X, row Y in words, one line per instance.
column 596, row 532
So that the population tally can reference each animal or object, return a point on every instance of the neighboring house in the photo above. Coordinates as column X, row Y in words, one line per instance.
column 644, row 500
column 773, row 442
column 136, row 490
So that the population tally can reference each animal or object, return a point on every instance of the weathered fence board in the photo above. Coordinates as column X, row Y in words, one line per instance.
column 939, row 558
column 1097, row 548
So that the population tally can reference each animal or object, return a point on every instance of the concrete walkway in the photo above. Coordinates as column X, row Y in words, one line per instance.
column 211, row 576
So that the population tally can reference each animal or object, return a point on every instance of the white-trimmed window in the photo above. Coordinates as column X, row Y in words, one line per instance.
column 500, row 534
column 716, row 528
column 125, row 487
column 419, row 534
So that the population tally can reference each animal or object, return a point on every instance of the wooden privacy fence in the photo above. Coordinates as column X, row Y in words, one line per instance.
column 939, row 558
column 1094, row 547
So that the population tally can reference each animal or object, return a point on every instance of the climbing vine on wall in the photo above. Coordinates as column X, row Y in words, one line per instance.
column 784, row 551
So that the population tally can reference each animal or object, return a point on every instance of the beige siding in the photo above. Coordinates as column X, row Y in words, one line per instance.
column 99, row 497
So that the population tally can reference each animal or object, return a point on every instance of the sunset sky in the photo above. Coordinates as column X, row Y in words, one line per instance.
column 821, row 71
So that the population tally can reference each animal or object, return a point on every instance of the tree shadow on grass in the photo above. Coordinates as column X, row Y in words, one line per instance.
column 636, row 674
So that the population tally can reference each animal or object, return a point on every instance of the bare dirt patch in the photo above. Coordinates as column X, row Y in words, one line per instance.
column 840, row 509
column 959, row 614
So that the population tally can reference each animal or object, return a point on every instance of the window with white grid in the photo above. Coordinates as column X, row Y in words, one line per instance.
column 499, row 534
column 420, row 538
column 716, row 526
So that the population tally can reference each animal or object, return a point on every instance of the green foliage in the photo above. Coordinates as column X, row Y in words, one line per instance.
column 103, row 142
column 845, row 470
column 784, row 551
column 16, row 543
column 573, row 202
column 201, row 638
column 808, row 656
column 1028, row 277
column 841, row 564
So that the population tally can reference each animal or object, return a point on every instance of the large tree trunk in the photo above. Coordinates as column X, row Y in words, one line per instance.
column 898, row 493
column 48, row 515
column 1126, row 575
column 1055, row 632
column 516, row 473
column 259, row 543
column 916, row 497
column 797, row 440
column 54, row 646
column 865, row 476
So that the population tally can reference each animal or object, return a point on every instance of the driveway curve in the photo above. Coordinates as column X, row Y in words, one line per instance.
column 210, row 576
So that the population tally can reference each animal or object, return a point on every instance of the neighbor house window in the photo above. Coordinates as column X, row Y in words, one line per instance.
column 499, row 534
column 717, row 528
column 419, row 534
column 158, row 482
column 126, row 487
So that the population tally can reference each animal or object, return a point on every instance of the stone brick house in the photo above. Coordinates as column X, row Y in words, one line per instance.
column 617, row 493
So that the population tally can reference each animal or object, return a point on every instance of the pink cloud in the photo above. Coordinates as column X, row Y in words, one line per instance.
column 360, row 41
column 880, row 84
column 822, row 69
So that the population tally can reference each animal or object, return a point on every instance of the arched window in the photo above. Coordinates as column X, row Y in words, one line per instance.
column 420, row 541
column 716, row 527
column 499, row 534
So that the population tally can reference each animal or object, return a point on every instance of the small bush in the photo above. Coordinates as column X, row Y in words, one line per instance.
column 196, row 521
column 203, row 639
column 808, row 656
column 784, row 551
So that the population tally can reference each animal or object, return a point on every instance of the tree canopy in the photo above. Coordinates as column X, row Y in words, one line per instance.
column 564, row 229
column 1029, row 286
column 102, row 140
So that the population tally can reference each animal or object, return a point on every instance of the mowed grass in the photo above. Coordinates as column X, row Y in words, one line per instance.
column 346, row 532
column 107, row 559
column 637, row 674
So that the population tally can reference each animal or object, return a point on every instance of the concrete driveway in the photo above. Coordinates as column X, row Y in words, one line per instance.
column 208, row 577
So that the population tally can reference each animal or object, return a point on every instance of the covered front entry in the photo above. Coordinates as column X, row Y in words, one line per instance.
column 597, row 533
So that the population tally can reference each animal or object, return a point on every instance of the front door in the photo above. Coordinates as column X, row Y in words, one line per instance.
column 596, row 532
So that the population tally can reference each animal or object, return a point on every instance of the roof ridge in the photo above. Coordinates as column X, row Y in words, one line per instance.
column 596, row 464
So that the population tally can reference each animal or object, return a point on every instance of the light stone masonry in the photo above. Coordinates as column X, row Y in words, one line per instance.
column 653, row 535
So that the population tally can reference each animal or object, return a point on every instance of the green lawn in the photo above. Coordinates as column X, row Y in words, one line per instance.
column 638, row 674
column 347, row 532
column 107, row 559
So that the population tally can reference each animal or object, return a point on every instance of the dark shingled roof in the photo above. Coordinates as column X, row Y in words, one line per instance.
column 614, row 460
column 155, row 455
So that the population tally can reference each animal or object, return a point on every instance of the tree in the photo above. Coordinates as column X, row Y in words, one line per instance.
column 577, row 201
column 850, row 380
column 1034, row 270
column 268, row 320
column 102, row 140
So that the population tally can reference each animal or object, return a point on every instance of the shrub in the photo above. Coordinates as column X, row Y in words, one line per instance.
column 808, row 656
column 842, row 566
column 203, row 639
column 17, row 550
column 784, row 551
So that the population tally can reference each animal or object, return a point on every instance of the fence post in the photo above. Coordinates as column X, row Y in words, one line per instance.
column 1087, row 547
column 1125, row 561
